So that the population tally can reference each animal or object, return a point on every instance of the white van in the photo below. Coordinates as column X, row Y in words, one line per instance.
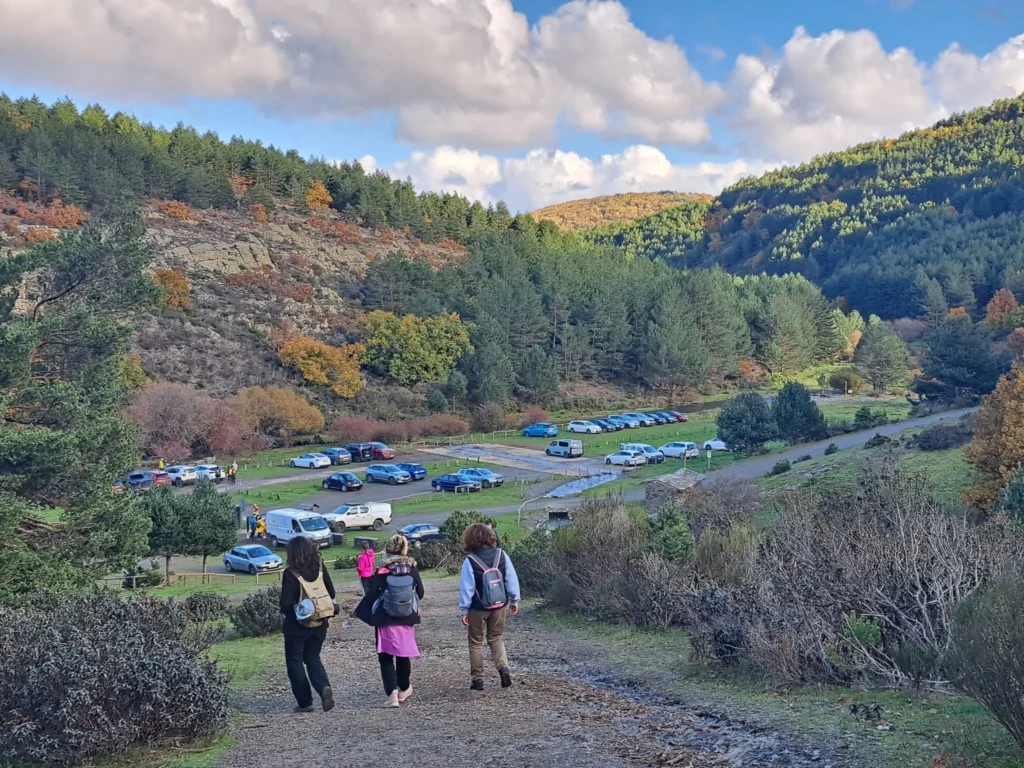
column 652, row 454
column 285, row 524
column 568, row 449
column 374, row 514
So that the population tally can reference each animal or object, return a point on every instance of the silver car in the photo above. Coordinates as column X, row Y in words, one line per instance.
column 251, row 558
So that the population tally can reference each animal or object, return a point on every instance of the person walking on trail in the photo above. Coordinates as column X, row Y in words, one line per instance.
column 391, row 606
column 160, row 465
column 488, row 586
column 306, row 589
column 234, row 472
column 364, row 566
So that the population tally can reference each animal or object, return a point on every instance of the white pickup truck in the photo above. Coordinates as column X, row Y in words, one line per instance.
column 372, row 514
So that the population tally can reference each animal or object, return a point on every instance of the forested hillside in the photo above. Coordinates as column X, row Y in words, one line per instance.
column 880, row 223
column 612, row 209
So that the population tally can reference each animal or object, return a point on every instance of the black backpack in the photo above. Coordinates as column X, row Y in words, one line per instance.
column 398, row 599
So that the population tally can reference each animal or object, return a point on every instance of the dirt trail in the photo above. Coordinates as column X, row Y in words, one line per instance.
column 560, row 712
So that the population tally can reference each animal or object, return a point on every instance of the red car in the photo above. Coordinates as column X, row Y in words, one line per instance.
column 381, row 451
column 678, row 415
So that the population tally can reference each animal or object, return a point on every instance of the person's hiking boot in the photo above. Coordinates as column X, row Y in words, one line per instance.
column 506, row 677
column 476, row 685
column 327, row 699
column 403, row 696
column 392, row 701
column 302, row 710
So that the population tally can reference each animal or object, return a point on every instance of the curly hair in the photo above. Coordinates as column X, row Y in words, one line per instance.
column 477, row 536
column 304, row 557
column 397, row 545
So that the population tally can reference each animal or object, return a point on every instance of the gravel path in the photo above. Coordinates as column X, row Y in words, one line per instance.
column 558, row 713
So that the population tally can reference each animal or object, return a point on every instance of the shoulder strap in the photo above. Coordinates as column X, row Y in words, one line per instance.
column 497, row 560
column 476, row 560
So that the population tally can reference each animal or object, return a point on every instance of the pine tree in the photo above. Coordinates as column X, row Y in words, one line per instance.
column 746, row 423
column 798, row 418
column 882, row 357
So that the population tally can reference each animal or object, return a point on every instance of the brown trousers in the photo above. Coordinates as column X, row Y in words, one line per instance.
column 491, row 624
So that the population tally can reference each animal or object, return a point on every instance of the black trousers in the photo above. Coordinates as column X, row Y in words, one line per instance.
column 302, row 658
column 395, row 672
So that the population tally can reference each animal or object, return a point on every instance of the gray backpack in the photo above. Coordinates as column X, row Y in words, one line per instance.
column 492, row 584
column 398, row 599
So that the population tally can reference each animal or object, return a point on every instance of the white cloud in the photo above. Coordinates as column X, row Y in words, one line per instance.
column 470, row 72
column 825, row 93
column 546, row 176
column 965, row 80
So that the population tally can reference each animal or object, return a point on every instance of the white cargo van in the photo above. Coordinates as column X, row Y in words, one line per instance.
column 285, row 524
column 374, row 514
column 569, row 449
column 652, row 454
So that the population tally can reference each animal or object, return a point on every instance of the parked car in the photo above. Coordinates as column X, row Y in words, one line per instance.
column 342, row 481
column 387, row 473
column 211, row 472
column 567, row 449
column 252, row 558
column 375, row 515
column 680, row 450
column 715, row 445
column 652, row 454
column 668, row 417
column 625, row 459
column 360, row 451
column 311, row 461
column 485, row 477
column 144, row 479
column 541, row 429
column 381, row 452
column 644, row 419
column 182, row 474
column 455, row 483
column 416, row 471
column 422, row 532
column 338, row 455
column 680, row 416
column 586, row 427
column 283, row 525
column 659, row 418
column 626, row 421
column 608, row 425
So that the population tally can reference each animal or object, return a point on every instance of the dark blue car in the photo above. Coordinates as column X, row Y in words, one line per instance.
column 454, row 483
column 338, row 455
column 416, row 471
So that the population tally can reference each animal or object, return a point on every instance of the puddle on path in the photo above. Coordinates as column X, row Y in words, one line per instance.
column 582, row 484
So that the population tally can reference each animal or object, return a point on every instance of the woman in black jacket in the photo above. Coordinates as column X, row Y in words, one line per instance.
column 391, row 607
column 302, row 643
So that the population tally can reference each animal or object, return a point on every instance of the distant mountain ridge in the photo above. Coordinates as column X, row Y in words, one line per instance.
column 612, row 209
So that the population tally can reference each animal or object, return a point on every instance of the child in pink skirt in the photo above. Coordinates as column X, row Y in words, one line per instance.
column 391, row 606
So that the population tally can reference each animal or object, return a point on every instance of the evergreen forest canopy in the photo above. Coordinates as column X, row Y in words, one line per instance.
column 882, row 223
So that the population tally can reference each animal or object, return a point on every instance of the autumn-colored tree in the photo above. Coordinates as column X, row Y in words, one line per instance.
column 317, row 196
column 34, row 236
column 168, row 413
column 998, row 444
column 320, row 363
column 1000, row 307
column 259, row 213
column 412, row 349
column 131, row 374
column 176, row 287
column 277, row 413
column 956, row 312
column 173, row 208
column 1015, row 341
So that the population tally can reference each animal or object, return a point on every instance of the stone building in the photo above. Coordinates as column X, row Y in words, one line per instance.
column 660, row 492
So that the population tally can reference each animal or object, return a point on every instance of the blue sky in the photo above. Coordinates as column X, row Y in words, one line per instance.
column 533, row 100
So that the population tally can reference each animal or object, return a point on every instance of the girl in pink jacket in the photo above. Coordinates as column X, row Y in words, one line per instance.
column 364, row 567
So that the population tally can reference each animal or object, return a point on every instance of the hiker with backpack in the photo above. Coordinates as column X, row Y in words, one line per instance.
column 391, row 606
column 307, row 604
column 488, row 586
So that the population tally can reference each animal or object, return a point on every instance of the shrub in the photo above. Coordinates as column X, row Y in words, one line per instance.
column 877, row 441
column 173, row 208
column 865, row 418
column 144, row 578
column 940, row 437
column 87, row 678
column 668, row 535
column 442, row 425
column 436, row 401
column 457, row 522
column 805, row 457
column 986, row 661
column 33, row 236
column 258, row 614
column 832, row 448
column 847, row 380
column 353, row 429
column 535, row 558
column 489, row 417
column 206, row 606
column 781, row 467
column 346, row 562
column 397, row 432
column 532, row 416
column 431, row 554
